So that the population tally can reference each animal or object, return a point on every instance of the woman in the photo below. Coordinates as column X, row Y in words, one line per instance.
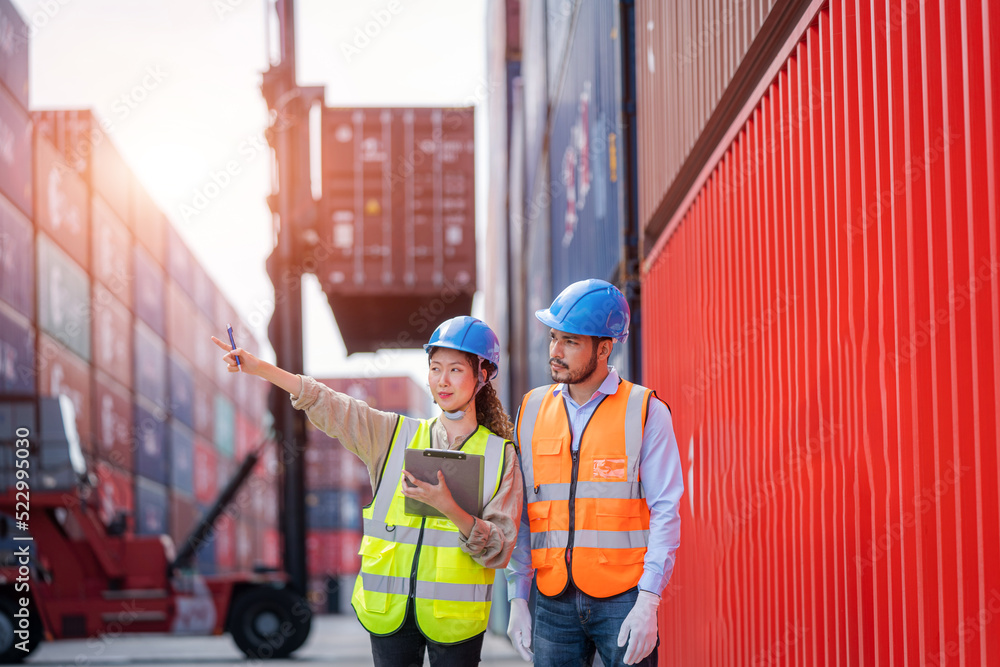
column 425, row 582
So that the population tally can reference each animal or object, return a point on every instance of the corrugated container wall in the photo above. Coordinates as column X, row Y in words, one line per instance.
column 824, row 318
column 693, row 64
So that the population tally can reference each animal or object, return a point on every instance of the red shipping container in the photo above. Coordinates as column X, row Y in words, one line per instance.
column 111, row 246
column 112, row 419
column 17, row 158
column 112, row 336
column 180, row 318
column 115, row 491
column 225, row 543
column 17, row 260
column 63, row 202
column 350, row 544
column 184, row 514
column 62, row 372
column 149, row 224
column 206, row 474
column 246, row 546
column 822, row 315
column 14, row 52
column 247, row 436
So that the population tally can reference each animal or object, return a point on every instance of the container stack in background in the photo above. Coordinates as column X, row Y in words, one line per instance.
column 101, row 300
column 338, row 486
column 125, row 313
column 560, row 202
column 17, row 252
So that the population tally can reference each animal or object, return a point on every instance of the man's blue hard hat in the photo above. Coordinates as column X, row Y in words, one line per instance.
column 589, row 308
column 467, row 334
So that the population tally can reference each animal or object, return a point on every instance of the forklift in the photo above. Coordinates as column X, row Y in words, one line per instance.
column 65, row 574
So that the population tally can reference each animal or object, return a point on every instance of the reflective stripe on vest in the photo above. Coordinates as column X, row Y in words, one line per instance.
column 404, row 556
column 611, row 524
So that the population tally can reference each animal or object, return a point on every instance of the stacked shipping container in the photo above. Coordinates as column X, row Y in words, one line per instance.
column 565, row 218
column 817, row 200
column 100, row 300
column 822, row 306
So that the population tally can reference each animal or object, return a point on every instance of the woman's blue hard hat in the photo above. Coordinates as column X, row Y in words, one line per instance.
column 467, row 334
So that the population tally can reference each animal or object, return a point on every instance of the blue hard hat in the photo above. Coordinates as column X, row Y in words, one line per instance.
column 589, row 308
column 467, row 334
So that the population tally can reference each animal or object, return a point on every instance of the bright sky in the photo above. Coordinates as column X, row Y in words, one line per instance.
column 179, row 80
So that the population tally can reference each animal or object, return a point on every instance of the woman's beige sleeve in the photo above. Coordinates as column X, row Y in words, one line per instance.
column 362, row 430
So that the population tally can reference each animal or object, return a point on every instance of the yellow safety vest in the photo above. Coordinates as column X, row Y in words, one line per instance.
column 406, row 557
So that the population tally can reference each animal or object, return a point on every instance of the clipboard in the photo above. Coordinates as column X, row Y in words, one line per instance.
column 463, row 472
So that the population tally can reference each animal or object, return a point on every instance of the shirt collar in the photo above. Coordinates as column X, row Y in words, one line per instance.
column 608, row 387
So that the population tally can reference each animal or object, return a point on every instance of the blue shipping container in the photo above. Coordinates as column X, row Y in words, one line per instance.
column 150, row 507
column 181, row 391
column 64, row 309
column 585, row 158
column 150, row 366
column 149, row 441
column 14, row 52
column 150, row 291
column 350, row 510
column 225, row 425
column 17, row 260
column 181, row 458
column 17, row 353
column 17, row 159
column 323, row 509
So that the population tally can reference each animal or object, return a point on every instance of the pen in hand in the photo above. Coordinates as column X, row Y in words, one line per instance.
column 232, row 342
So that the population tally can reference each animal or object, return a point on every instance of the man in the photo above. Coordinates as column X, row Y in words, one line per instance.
column 603, row 482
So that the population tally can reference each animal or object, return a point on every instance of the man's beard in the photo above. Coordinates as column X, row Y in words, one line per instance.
column 577, row 376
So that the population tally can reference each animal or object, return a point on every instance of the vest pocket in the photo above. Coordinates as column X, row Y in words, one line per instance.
column 546, row 461
column 377, row 558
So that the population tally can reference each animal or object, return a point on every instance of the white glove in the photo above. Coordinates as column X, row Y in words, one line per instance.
column 639, row 628
column 519, row 628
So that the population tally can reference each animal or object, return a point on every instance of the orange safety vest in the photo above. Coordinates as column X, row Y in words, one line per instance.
column 586, row 509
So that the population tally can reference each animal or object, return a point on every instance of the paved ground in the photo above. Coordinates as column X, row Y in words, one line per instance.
column 335, row 640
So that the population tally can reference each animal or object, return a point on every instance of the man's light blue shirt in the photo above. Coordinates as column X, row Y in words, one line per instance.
column 662, row 481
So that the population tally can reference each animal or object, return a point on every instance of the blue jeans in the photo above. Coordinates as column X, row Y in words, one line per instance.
column 570, row 627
